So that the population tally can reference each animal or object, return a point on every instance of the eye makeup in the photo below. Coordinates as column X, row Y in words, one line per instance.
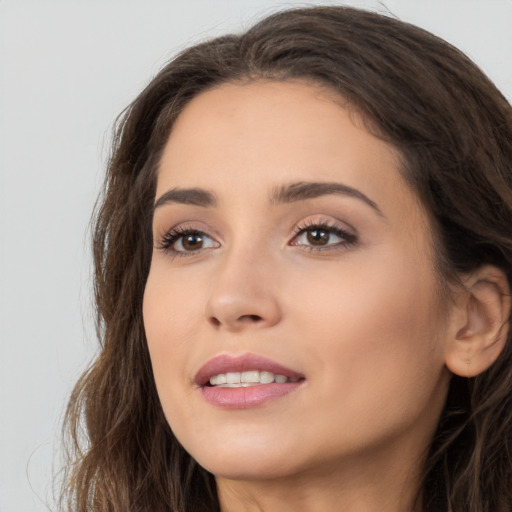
column 322, row 236
column 312, row 235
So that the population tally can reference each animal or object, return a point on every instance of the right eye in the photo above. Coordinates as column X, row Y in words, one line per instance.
column 186, row 241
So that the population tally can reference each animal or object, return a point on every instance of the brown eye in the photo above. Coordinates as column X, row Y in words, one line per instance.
column 187, row 242
column 323, row 237
column 191, row 242
column 318, row 236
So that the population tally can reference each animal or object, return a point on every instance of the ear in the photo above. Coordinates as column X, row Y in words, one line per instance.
column 480, row 323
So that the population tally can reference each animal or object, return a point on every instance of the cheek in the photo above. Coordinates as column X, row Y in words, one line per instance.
column 386, row 298
column 170, row 312
column 376, row 335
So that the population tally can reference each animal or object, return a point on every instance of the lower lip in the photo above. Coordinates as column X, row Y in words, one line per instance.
column 246, row 398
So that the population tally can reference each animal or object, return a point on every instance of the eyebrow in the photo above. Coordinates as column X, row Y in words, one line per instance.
column 284, row 194
column 193, row 196
column 307, row 190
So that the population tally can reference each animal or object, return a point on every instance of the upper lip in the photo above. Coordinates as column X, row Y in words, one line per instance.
column 241, row 363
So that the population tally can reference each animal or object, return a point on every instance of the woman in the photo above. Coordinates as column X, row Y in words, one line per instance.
column 303, row 262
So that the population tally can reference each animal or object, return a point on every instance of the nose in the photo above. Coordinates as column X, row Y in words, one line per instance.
column 243, row 295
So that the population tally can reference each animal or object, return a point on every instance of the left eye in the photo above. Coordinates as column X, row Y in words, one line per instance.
column 321, row 236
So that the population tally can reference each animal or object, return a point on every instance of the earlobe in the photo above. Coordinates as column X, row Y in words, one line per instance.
column 481, row 325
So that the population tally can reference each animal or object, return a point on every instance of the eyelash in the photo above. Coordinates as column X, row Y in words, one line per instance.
column 349, row 238
column 175, row 234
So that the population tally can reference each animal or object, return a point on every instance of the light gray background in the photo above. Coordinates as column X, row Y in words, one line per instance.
column 67, row 68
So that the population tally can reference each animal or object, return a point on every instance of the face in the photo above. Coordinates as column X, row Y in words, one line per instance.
column 294, row 267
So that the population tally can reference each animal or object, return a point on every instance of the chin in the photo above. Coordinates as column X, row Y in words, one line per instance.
column 244, row 461
column 239, row 468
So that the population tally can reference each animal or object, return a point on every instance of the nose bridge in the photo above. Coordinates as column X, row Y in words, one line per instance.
column 243, row 293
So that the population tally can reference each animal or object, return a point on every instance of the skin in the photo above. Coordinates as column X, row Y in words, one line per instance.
column 361, row 317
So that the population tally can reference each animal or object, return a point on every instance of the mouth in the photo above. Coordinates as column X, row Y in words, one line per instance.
column 242, row 382
column 247, row 379
column 243, row 371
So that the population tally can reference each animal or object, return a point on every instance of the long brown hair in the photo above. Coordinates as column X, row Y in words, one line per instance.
column 453, row 129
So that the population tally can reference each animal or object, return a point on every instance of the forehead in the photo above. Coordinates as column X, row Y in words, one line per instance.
column 258, row 135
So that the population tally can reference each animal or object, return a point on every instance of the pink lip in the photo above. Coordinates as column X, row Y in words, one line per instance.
column 244, row 398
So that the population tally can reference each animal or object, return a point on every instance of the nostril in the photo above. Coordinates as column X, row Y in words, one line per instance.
column 215, row 321
column 243, row 319
column 251, row 318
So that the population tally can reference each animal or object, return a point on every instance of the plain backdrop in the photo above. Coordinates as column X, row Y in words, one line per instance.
column 67, row 68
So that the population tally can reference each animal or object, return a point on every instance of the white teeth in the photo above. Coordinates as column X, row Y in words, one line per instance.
column 266, row 377
column 246, row 379
column 233, row 378
column 218, row 379
column 250, row 376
